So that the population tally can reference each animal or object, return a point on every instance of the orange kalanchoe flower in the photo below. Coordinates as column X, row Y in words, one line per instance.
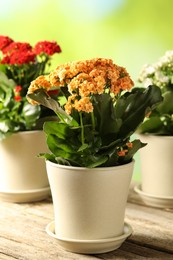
column 122, row 152
column 84, row 79
column 40, row 82
column 129, row 145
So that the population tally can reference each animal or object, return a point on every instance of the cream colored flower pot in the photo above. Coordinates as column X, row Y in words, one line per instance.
column 157, row 165
column 22, row 173
column 89, row 203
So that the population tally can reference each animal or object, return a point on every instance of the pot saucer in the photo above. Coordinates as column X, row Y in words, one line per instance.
column 22, row 196
column 152, row 200
column 90, row 246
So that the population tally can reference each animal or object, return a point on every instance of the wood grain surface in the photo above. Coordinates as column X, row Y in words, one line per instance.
column 23, row 235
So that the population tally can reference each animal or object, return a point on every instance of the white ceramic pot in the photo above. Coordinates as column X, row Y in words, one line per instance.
column 22, row 172
column 156, row 160
column 89, row 203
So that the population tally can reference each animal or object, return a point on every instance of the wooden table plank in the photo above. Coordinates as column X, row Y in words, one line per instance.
column 152, row 228
column 23, row 236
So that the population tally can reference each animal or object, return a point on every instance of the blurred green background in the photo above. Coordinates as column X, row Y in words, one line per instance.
column 131, row 32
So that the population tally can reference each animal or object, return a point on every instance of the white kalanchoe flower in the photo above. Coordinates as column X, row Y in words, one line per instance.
column 146, row 72
column 159, row 73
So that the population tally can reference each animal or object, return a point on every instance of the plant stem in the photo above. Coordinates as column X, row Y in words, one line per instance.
column 93, row 121
column 82, row 129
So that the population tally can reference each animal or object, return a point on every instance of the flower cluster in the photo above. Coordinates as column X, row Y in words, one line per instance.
column 160, row 73
column 84, row 79
column 23, row 53
column 98, row 110
column 20, row 63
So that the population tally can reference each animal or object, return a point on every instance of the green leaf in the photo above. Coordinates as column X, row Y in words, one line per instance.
column 150, row 125
column 166, row 106
column 62, row 161
column 5, row 125
column 82, row 147
column 136, row 145
column 30, row 114
column 5, row 82
column 59, row 146
column 135, row 106
column 47, row 156
column 41, row 97
column 111, row 144
column 57, row 128
column 98, row 161
column 103, row 108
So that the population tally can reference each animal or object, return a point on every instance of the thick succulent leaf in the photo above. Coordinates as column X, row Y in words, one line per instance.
column 112, row 158
column 82, row 147
column 135, row 105
column 30, row 113
column 97, row 161
column 62, row 161
column 57, row 145
column 5, row 125
column 150, row 125
column 41, row 97
column 111, row 145
column 56, row 128
column 47, row 156
column 166, row 106
column 103, row 108
column 5, row 82
column 136, row 145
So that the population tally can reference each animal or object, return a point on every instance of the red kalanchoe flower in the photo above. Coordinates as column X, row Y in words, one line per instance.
column 17, row 89
column 20, row 58
column 5, row 60
column 47, row 47
column 4, row 42
column 17, row 98
column 17, row 46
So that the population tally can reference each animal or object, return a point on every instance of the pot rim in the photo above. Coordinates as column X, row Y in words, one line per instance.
column 85, row 168
column 156, row 136
column 26, row 132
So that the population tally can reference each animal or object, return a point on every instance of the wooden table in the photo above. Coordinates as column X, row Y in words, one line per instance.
column 23, row 236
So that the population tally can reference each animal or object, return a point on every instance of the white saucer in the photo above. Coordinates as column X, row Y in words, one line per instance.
column 90, row 246
column 22, row 196
column 152, row 200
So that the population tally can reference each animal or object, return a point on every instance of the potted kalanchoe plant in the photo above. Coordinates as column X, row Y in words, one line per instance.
column 20, row 63
column 91, row 160
column 157, row 130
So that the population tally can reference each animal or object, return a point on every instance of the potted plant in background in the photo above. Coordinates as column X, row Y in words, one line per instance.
column 22, row 176
column 91, row 161
column 156, row 187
